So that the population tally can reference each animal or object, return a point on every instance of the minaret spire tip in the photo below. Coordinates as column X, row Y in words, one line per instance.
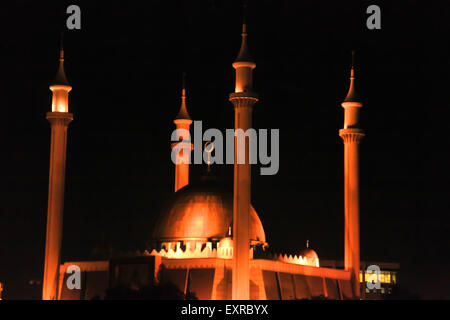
column 244, row 54
column 183, row 113
column 61, row 78
column 244, row 19
column 352, row 95
column 61, row 47
column 352, row 75
column 183, row 90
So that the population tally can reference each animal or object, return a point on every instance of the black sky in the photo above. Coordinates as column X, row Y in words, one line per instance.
column 125, row 66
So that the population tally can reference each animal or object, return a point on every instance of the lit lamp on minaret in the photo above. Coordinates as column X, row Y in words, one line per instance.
column 351, row 135
column 183, row 153
column 59, row 119
column 243, row 100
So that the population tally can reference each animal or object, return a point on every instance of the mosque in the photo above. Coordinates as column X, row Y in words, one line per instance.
column 208, row 241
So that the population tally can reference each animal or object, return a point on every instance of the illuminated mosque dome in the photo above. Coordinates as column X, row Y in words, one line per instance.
column 202, row 211
column 225, row 248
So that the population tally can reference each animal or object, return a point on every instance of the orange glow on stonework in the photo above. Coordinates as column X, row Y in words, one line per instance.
column 224, row 251
column 60, row 101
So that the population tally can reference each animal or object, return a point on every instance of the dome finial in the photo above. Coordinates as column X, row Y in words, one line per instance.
column 307, row 243
column 351, row 95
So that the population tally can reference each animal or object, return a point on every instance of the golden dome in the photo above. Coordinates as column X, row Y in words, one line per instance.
column 311, row 257
column 309, row 254
column 226, row 242
column 202, row 211
column 225, row 248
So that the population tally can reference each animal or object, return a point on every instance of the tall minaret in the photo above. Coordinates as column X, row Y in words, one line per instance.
column 352, row 134
column 59, row 119
column 183, row 154
column 243, row 100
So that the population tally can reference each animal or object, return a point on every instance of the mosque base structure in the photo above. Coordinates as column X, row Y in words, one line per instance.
column 206, row 278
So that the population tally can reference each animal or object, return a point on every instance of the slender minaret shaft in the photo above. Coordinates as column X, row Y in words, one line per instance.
column 59, row 120
column 243, row 100
column 183, row 149
column 352, row 135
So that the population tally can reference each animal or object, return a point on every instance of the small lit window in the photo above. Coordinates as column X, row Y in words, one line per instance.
column 387, row 277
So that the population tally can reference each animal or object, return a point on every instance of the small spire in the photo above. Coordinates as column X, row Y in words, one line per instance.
column 244, row 53
column 244, row 19
column 244, row 11
column 353, row 59
column 351, row 95
column 183, row 114
column 61, row 78
column 61, row 49
column 307, row 243
column 183, row 91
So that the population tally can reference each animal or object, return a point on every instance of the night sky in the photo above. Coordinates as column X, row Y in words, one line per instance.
column 125, row 67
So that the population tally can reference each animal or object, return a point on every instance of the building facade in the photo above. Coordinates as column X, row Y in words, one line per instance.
column 209, row 241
